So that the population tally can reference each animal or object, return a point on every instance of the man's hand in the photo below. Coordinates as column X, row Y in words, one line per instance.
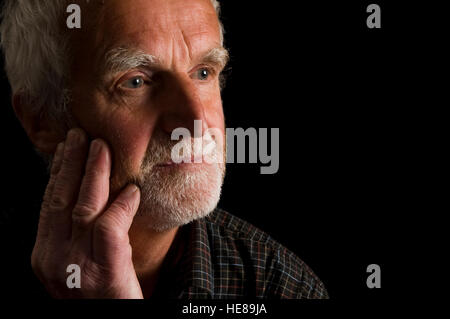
column 76, row 227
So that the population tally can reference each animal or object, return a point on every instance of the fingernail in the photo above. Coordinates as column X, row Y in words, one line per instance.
column 73, row 138
column 131, row 189
column 95, row 148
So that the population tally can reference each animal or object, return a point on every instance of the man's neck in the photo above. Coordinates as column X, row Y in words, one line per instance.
column 149, row 251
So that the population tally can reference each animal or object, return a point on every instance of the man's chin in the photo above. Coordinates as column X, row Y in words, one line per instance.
column 176, row 195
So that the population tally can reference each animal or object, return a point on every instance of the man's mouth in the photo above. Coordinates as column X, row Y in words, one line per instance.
column 185, row 161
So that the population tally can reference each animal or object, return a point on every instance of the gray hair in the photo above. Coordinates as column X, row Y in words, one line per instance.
column 36, row 53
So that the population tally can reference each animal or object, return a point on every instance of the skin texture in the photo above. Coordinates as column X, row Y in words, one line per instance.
column 87, row 216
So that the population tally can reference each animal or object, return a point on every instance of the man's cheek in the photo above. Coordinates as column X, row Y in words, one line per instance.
column 129, row 146
column 132, row 133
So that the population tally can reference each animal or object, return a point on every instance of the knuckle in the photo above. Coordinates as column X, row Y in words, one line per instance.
column 58, row 203
column 83, row 210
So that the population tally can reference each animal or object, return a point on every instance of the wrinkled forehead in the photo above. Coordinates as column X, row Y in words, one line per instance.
column 151, row 25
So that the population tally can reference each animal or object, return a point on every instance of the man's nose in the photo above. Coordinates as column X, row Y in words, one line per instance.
column 181, row 106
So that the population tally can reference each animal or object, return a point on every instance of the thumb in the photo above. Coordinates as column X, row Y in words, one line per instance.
column 117, row 219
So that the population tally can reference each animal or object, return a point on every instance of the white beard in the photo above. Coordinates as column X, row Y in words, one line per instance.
column 172, row 197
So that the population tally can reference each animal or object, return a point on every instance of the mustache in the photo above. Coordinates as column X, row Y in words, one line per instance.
column 160, row 150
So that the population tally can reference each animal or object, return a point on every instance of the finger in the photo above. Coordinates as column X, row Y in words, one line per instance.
column 44, row 225
column 56, row 165
column 67, row 183
column 94, row 191
column 111, row 228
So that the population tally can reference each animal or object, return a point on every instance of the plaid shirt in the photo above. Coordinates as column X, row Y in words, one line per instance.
column 228, row 258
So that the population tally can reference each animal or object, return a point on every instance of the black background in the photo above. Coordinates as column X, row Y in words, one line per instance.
column 343, row 97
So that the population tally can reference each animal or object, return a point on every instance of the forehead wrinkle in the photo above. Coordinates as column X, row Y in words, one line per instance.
column 118, row 18
column 181, row 49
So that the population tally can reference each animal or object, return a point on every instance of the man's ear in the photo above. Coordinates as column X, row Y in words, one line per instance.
column 40, row 130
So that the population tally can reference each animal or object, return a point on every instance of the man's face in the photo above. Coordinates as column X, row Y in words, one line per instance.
column 141, row 69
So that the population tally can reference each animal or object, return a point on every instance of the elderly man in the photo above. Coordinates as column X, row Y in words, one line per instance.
column 101, row 103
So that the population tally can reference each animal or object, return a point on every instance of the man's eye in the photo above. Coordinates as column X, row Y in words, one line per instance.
column 134, row 83
column 203, row 74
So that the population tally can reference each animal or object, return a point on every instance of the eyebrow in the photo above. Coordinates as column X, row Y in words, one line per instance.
column 124, row 58
column 219, row 56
